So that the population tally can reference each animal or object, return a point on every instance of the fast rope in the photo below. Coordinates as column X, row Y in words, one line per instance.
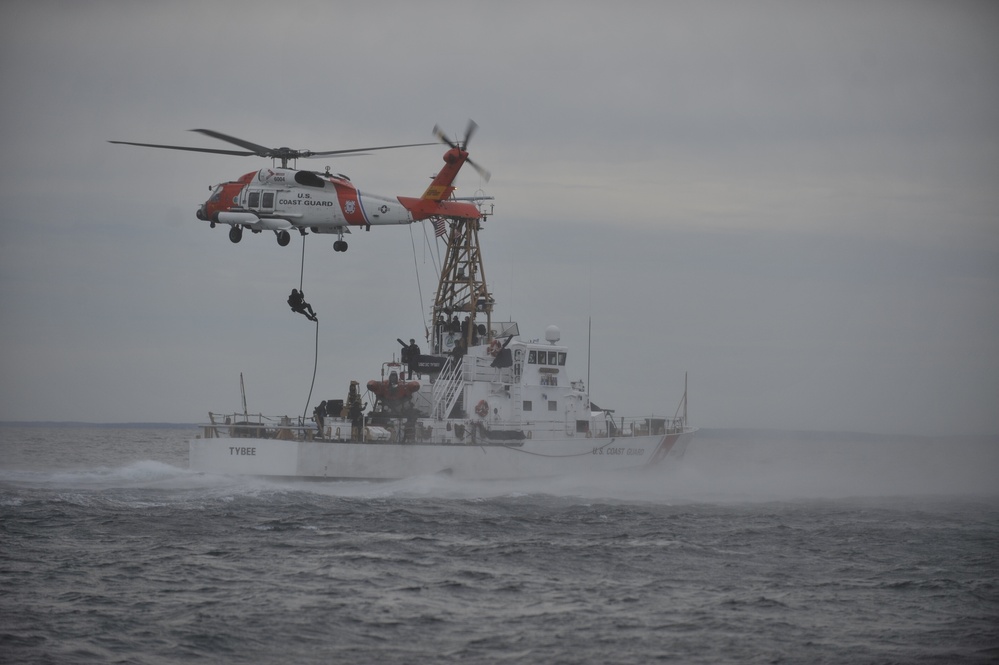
column 301, row 274
column 315, row 364
column 416, row 266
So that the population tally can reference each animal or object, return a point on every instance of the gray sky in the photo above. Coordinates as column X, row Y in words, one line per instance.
column 794, row 202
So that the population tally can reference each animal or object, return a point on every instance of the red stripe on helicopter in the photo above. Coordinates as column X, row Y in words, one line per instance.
column 350, row 203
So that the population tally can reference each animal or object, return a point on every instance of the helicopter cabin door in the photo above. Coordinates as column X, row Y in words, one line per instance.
column 260, row 200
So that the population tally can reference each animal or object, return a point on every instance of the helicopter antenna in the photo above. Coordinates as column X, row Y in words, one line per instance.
column 242, row 391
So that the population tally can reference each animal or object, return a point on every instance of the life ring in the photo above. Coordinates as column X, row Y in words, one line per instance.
column 482, row 408
column 494, row 348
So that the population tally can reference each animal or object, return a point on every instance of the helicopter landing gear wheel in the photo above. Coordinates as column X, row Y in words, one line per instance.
column 283, row 238
column 340, row 246
column 235, row 234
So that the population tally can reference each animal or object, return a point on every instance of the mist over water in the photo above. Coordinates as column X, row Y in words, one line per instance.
column 763, row 465
column 755, row 546
column 719, row 465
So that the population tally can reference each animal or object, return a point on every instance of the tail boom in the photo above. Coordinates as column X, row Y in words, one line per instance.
column 426, row 208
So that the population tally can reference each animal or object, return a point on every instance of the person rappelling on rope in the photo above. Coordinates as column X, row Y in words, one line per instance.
column 297, row 302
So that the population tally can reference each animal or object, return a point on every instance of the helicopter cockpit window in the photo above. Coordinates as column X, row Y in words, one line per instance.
column 308, row 178
column 253, row 200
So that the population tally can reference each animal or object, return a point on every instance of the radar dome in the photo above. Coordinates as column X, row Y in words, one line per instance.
column 553, row 334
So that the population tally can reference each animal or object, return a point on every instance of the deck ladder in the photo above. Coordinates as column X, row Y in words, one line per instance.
column 447, row 388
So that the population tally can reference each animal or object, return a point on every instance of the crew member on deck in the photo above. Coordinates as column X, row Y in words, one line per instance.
column 414, row 358
column 297, row 302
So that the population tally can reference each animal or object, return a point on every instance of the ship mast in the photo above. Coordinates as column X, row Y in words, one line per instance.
column 462, row 293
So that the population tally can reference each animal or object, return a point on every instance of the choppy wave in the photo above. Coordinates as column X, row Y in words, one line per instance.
column 753, row 549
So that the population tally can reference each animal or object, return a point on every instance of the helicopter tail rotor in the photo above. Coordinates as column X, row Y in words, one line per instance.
column 463, row 146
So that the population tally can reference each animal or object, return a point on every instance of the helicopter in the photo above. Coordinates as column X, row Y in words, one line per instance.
column 282, row 199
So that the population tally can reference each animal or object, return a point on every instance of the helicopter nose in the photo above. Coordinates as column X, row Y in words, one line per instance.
column 200, row 214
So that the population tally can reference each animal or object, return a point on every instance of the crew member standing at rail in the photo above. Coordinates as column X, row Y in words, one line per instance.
column 414, row 358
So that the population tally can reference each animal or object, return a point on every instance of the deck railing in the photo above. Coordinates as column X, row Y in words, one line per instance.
column 256, row 426
column 259, row 426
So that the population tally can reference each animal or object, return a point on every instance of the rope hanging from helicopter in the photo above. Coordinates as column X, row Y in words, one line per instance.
column 416, row 267
column 315, row 367
column 298, row 304
column 301, row 273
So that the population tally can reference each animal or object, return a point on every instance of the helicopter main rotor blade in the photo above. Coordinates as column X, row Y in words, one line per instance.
column 239, row 153
column 284, row 154
column 324, row 153
column 252, row 147
column 291, row 153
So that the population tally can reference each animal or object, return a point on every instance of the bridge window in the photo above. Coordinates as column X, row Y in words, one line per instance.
column 552, row 405
column 528, row 406
column 553, row 358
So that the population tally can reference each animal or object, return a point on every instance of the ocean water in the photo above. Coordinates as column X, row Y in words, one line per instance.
column 757, row 547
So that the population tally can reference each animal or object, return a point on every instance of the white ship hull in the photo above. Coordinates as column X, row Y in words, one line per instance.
column 331, row 460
